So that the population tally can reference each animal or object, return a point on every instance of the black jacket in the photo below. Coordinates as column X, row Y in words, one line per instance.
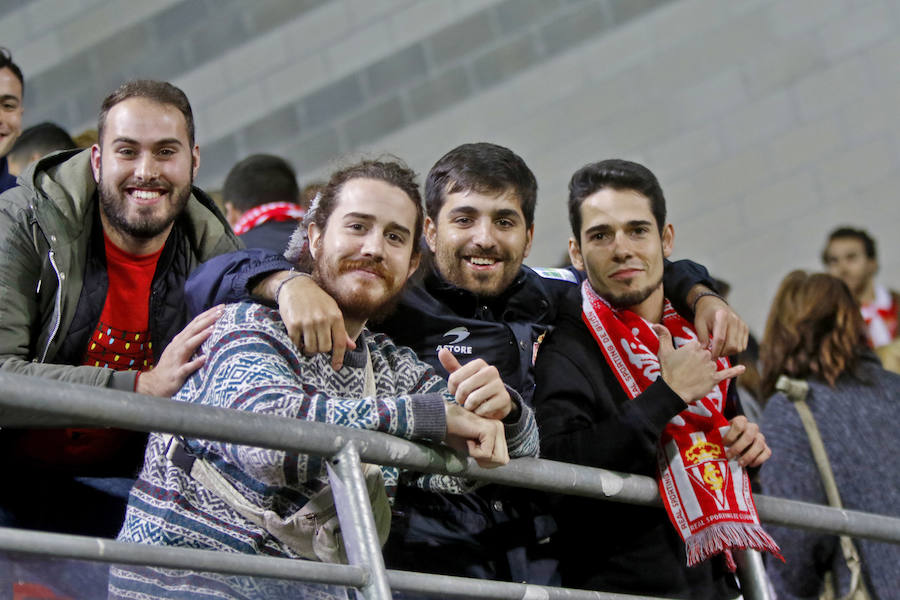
column 585, row 417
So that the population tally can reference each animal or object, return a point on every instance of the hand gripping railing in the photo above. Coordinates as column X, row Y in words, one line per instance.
column 35, row 402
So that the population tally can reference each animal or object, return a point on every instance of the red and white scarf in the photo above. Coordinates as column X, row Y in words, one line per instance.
column 273, row 211
column 881, row 318
column 707, row 496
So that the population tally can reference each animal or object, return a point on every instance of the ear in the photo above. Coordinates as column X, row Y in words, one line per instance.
column 413, row 264
column 668, row 240
column 529, row 237
column 575, row 255
column 430, row 233
column 313, row 233
column 195, row 160
column 95, row 162
column 231, row 213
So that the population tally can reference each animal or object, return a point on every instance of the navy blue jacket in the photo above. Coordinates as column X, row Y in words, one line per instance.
column 7, row 179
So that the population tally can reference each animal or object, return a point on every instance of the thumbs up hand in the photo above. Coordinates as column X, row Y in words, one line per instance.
column 690, row 370
column 477, row 386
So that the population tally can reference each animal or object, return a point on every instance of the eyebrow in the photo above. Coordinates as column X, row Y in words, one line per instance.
column 162, row 142
column 6, row 97
column 628, row 225
column 369, row 218
column 468, row 210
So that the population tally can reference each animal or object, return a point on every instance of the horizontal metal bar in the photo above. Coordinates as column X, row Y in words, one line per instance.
column 190, row 559
column 23, row 399
column 111, row 551
column 446, row 586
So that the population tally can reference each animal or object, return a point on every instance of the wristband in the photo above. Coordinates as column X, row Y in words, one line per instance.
column 285, row 280
column 703, row 295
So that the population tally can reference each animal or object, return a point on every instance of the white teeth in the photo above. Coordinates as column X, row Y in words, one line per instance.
column 475, row 260
column 145, row 194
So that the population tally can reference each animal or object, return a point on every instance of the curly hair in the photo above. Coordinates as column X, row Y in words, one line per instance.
column 814, row 329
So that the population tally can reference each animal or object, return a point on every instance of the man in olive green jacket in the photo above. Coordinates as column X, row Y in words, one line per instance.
column 95, row 247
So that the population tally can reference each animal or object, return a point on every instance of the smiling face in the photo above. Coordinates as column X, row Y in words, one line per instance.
column 11, row 109
column 621, row 249
column 364, row 255
column 479, row 241
column 144, row 166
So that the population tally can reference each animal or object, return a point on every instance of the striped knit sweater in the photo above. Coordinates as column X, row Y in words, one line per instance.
column 252, row 365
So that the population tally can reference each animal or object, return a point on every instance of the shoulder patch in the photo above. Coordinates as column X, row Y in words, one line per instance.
column 559, row 274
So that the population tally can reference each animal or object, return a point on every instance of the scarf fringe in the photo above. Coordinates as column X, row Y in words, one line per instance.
column 723, row 537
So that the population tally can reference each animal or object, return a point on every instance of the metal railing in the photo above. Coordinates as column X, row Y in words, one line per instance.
column 35, row 402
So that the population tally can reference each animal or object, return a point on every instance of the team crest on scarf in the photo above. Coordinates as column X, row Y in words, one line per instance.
column 707, row 497
column 273, row 211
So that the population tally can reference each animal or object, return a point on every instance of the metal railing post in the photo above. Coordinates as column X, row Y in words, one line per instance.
column 752, row 574
column 351, row 498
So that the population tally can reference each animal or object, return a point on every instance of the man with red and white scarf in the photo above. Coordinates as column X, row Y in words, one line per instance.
column 623, row 383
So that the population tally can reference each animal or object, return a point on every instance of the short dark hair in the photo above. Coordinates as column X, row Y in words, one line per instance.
column 617, row 174
column 260, row 179
column 6, row 62
column 161, row 92
column 392, row 171
column 484, row 168
column 846, row 232
column 42, row 139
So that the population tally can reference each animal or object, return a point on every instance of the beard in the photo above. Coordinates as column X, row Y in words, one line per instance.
column 145, row 224
column 357, row 303
column 628, row 299
column 450, row 265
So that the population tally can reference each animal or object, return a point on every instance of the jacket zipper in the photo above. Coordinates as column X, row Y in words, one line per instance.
column 59, row 284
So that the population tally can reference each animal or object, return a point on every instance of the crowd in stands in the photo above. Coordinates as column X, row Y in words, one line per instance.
column 364, row 302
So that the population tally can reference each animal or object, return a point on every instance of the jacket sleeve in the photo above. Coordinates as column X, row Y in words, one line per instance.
column 24, row 324
column 678, row 279
column 259, row 371
column 581, row 422
column 227, row 278
column 791, row 473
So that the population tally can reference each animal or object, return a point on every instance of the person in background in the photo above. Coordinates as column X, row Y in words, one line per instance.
column 12, row 93
column 37, row 141
column 261, row 199
column 816, row 333
column 850, row 255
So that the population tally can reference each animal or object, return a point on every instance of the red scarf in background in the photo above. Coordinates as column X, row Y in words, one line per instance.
column 707, row 496
column 881, row 318
column 273, row 211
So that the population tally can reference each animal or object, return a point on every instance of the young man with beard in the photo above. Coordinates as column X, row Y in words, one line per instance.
column 477, row 299
column 96, row 246
column 361, row 245
column 613, row 392
column 12, row 91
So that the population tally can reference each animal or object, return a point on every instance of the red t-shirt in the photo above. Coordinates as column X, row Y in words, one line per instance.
column 121, row 341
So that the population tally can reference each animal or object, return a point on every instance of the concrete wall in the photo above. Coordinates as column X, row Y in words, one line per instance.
column 769, row 122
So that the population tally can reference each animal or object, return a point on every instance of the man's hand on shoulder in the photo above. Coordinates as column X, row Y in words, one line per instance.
column 477, row 386
column 177, row 361
column 713, row 317
column 484, row 439
column 690, row 370
column 312, row 317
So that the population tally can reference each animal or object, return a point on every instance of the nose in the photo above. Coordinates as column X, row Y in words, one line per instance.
column 622, row 246
column 483, row 233
column 373, row 244
column 146, row 168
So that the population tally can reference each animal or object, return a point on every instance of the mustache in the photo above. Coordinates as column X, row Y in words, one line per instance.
column 155, row 182
column 366, row 264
